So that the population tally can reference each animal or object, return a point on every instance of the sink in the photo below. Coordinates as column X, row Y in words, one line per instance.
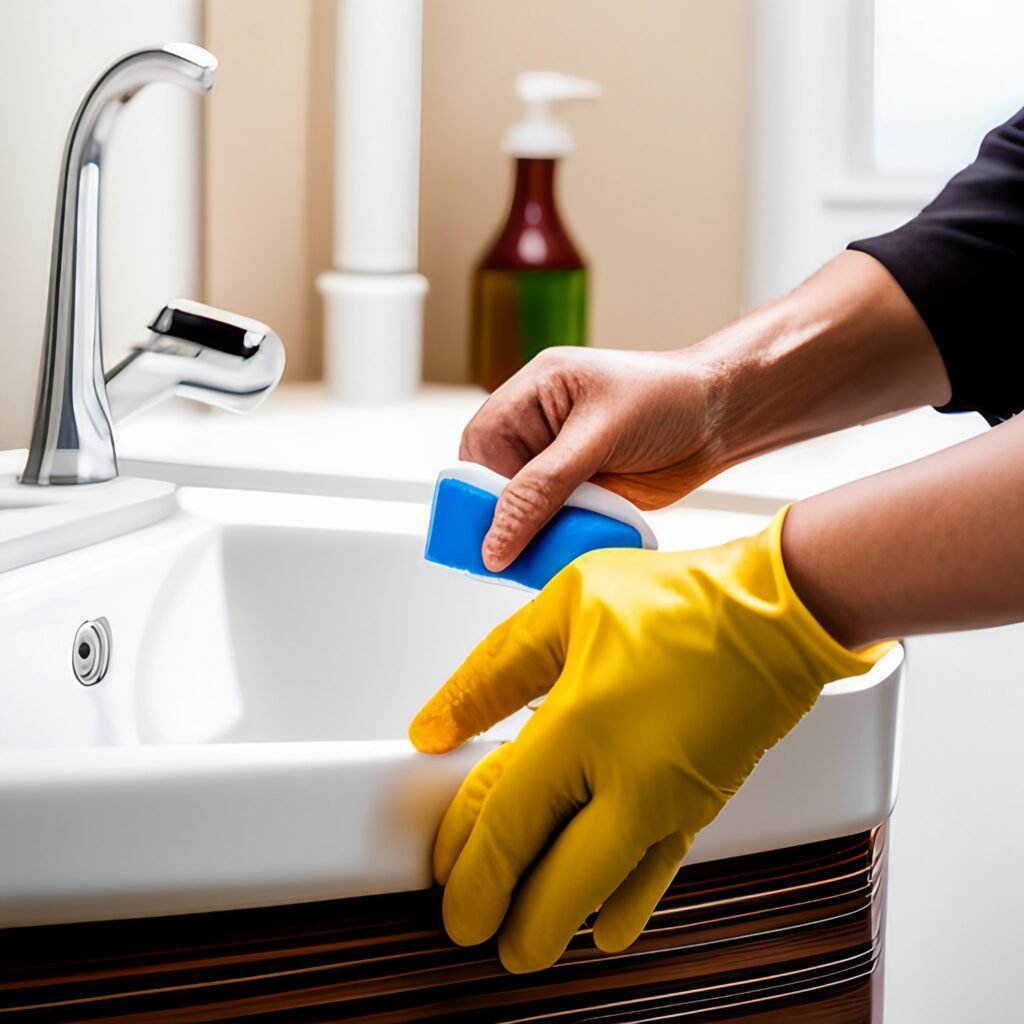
column 247, row 747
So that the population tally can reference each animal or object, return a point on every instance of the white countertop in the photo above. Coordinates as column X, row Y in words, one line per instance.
column 399, row 448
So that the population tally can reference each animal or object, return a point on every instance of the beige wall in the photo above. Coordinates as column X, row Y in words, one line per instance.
column 654, row 194
column 267, row 166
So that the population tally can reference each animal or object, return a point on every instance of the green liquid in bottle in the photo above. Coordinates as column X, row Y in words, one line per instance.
column 530, row 287
column 517, row 313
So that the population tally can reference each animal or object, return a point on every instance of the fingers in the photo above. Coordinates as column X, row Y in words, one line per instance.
column 537, row 792
column 516, row 663
column 523, row 416
column 507, row 431
column 649, row 491
column 591, row 859
column 540, row 489
column 534, row 430
column 628, row 909
column 461, row 816
column 586, row 863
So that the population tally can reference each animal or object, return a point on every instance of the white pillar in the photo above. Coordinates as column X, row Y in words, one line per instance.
column 374, row 296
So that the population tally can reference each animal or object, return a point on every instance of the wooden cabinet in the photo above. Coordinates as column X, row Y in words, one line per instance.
column 790, row 936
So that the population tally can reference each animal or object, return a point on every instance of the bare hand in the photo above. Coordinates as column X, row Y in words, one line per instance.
column 634, row 421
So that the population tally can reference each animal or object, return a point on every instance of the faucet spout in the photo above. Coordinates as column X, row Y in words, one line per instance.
column 72, row 441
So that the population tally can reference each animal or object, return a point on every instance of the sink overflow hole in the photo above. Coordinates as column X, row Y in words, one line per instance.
column 90, row 653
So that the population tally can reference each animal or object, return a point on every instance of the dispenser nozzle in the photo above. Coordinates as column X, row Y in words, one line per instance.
column 540, row 134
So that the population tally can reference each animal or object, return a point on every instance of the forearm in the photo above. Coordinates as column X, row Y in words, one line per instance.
column 932, row 546
column 845, row 347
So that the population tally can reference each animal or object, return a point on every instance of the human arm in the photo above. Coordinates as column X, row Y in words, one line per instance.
column 932, row 546
column 665, row 677
column 936, row 545
column 927, row 314
column 668, row 674
column 960, row 261
column 844, row 347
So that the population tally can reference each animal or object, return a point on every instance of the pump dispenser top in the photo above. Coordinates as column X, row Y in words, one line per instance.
column 530, row 286
column 539, row 134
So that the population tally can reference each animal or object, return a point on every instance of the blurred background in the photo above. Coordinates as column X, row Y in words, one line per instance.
column 738, row 145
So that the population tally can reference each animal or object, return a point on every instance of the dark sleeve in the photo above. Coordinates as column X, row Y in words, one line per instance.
column 961, row 263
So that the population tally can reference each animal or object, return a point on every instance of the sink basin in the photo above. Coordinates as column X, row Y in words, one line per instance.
column 247, row 744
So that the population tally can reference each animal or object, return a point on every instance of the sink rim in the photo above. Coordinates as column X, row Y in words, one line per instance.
column 86, row 787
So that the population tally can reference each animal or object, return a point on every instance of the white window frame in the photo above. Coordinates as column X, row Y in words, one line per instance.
column 853, row 180
column 812, row 186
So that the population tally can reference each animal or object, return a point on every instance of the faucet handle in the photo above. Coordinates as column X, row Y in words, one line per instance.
column 198, row 352
column 204, row 325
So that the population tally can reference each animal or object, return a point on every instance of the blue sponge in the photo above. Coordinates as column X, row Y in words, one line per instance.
column 461, row 516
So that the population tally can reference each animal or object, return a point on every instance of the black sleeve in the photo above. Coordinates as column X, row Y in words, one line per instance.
column 961, row 263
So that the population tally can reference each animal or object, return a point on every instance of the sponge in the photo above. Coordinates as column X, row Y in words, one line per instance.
column 465, row 497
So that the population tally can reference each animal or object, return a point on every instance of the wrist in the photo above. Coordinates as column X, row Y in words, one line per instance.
column 844, row 347
column 741, row 370
column 694, row 404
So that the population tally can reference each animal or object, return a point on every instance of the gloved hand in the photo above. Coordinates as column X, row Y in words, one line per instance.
column 668, row 675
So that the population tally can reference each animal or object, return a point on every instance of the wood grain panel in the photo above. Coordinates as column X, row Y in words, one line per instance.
column 790, row 936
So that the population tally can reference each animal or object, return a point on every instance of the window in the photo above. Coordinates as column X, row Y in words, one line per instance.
column 945, row 71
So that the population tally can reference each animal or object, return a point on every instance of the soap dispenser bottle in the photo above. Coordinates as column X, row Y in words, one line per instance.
column 530, row 287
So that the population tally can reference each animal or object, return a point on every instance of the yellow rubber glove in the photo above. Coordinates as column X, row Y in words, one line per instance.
column 668, row 675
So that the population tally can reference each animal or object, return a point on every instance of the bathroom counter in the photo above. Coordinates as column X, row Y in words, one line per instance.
column 397, row 449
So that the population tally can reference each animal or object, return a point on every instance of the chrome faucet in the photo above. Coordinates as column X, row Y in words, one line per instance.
column 193, row 350
column 198, row 352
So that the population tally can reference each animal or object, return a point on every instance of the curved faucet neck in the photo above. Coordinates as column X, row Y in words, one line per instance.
column 72, row 441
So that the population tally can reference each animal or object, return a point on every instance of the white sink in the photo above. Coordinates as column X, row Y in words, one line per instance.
column 247, row 745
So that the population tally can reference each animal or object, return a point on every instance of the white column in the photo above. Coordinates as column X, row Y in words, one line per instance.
column 374, row 296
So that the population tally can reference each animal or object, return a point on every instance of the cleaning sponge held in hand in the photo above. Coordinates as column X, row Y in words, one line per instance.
column 464, row 501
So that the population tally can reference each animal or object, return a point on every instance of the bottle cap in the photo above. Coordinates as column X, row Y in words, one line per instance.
column 539, row 134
